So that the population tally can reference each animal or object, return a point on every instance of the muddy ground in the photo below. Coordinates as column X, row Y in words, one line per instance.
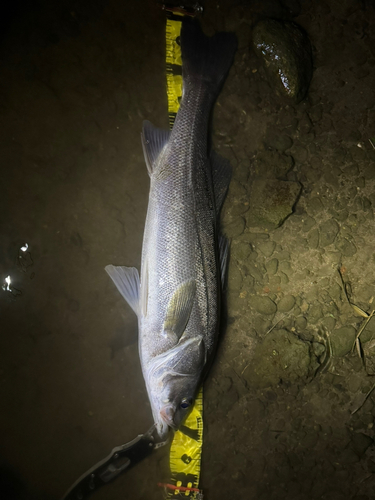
column 286, row 413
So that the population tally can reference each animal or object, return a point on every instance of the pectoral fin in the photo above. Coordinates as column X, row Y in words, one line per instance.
column 179, row 309
column 126, row 280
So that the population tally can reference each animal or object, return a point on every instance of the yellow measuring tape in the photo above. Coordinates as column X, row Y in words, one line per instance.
column 174, row 68
column 186, row 448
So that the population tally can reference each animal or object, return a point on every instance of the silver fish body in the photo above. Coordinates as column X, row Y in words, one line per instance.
column 177, row 298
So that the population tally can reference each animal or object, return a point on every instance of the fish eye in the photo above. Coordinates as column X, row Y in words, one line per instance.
column 185, row 403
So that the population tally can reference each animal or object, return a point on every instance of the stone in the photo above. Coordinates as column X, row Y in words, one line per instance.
column 328, row 232
column 241, row 250
column 279, row 141
column 234, row 276
column 329, row 323
column 315, row 205
column 254, row 270
column 346, row 247
column 300, row 323
column 235, row 227
column 271, row 266
column 286, row 304
column 267, row 248
column 342, row 340
column 272, row 164
column 271, row 202
column 285, row 51
column 360, row 443
column 285, row 266
column 263, row 305
column 284, row 278
column 315, row 314
column 313, row 239
column 281, row 355
column 308, row 223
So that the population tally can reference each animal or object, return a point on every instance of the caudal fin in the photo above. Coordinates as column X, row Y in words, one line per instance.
column 205, row 59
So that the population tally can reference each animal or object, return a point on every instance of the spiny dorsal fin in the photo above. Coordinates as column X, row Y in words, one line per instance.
column 126, row 280
column 153, row 141
column 179, row 309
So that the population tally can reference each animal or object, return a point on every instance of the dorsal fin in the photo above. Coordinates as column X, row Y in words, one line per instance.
column 153, row 141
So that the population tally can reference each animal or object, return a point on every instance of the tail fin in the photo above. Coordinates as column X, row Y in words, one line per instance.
column 205, row 59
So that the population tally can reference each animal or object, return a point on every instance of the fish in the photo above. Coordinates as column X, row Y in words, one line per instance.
column 178, row 295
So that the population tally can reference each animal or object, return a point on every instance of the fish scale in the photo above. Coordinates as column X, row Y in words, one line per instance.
column 177, row 298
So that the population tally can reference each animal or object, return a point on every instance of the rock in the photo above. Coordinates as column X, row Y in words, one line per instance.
column 286, row 303
column 315, row 205
column 241, row 172
column 329, row 323
column 267, row 248
column 349, row 457
column 316, row 113
column 285, row 51
column 271, row 266
column 346, row 247
column 313, row 239
column 341, row 216
column 304, row 124
column 328, row 232
column 318, row 349
column 234, row 276
column 300, row 153
column 241, row 250
column 263, row 305
column 238, row 208
column 254, row 270
column 342, row 340
column 284, row 278
column 235, row 227
column 360, row 443
column 300, row 323
column 225, row 383
column 272, row 164
column 271, row 202
column 278, row 141
column 285, row 266
column 308, row 223
column 315, row 314
column 281, row 355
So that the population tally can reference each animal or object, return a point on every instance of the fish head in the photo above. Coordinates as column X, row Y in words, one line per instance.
column 173, row 384
column 180, row 394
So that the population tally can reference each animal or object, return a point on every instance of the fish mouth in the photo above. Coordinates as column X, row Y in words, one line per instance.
column 167, row 414
column 162, row 430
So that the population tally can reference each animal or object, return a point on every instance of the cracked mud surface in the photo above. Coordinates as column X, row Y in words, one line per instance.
column 285, row 408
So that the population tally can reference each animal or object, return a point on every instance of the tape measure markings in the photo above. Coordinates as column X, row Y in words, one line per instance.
column 186, row 448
